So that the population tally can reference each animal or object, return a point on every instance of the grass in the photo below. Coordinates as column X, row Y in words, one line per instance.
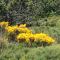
column 49, row 25
column 14, row 52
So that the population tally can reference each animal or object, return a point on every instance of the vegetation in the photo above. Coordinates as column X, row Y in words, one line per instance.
column 22, row 34
column 28, row 9
column 29, row 29
column 14, row 52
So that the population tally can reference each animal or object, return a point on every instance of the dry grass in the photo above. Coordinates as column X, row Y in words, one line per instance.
column 3, row 41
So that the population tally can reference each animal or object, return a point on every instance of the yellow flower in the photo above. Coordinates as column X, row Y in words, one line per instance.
column 24, row 30
column 49, row 40
column 21, row 36
column 18, row 28
column 22, row 25
column 35, row 37
column 44, row 38
column 26, row 36
column 11, row 29
column 4, row 24
column 39, row 36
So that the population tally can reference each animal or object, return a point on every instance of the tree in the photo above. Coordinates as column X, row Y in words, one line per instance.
column 6, row 8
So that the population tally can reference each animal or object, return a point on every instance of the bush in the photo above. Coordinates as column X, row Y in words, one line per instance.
column 22, row 34
column 23, row 10
column 49, row 25
column 42, row 53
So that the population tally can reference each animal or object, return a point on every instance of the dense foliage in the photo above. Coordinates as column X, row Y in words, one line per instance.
column 22, row 34
column 16, row 52
column 28, row 9
column 29, row 29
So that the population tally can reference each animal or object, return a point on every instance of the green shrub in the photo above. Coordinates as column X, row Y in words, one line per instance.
column 49, row 25
column 14, row 52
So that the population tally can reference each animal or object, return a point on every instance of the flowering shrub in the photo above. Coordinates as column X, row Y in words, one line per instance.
column 44, row 38
column 22, row 25
column 21, row 29
column 22, row 34
column 24, row 30
column 4, row 24
column 26, row 36
column 11, row 29
column 41, row 37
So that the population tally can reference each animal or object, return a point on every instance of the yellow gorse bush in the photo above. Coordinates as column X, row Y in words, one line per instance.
column 11, row 29
column 4, row 24
column 22, row 25
column 26, row 34
column 22, row 29
column 35, row 37
column 44, row 38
